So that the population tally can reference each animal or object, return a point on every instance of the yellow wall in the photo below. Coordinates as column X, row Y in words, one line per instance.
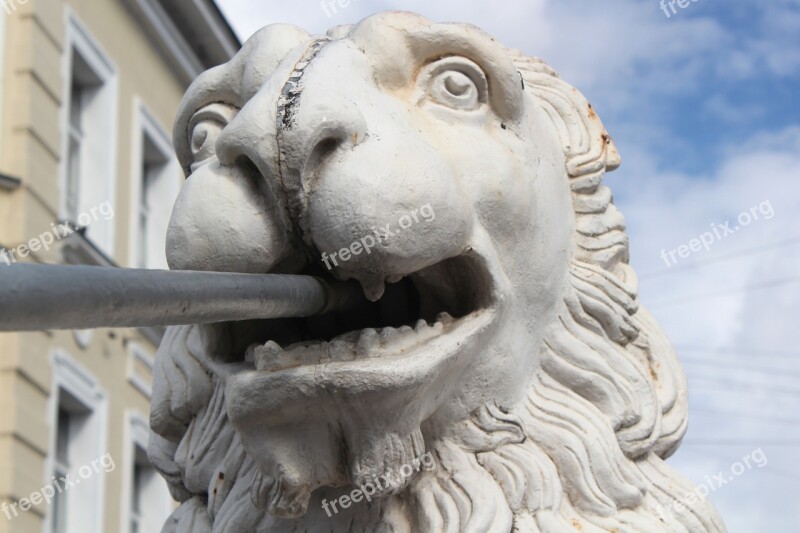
column 31, row 150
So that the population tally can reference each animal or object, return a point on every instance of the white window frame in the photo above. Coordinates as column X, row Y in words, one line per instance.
column 145, row 123
column 137, row 430
column 102, row 148
column 84, row 514
column 139, row 354
column 3, row 37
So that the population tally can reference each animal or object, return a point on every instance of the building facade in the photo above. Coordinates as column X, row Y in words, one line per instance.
column 88, row 93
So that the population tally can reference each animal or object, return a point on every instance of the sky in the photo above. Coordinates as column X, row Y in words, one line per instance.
column 704, row 107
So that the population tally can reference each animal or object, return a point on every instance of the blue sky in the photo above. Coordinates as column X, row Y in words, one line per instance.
column 705, row 109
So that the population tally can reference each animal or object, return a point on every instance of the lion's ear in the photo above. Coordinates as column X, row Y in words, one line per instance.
column 589, row 149
column 613, row 159
column 590, row 153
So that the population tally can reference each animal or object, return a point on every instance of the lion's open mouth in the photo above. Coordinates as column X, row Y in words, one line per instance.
column 412, row 311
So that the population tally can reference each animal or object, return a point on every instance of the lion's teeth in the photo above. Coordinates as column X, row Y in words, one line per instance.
column 373, row 288
column 341, row 351
column 387, row 334
column 300, row 345
column 304, row 355
column 405, row 330
column 367, row 342
column 350, row 337
column 250, row 353
column 421, row 325
column 394, row 278
column 444, row 317
column 267, row 355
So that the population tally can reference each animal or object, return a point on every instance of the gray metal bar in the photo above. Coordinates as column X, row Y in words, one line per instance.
column 35, row 297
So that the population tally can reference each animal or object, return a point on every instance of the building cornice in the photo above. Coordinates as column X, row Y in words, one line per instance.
column 193, row 34
column 9, row 183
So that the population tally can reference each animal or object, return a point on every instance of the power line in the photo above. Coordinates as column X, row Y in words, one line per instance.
column 786, row 474
column 780, row 372
column 737, row 381
column 746, row 442
column 720, row 258
column 711, row 389
column 738, row 351
column 731, row 382
column 754, row 416
column 710, row 296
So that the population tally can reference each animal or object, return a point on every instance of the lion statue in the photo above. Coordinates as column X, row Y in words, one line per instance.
column 502, row 375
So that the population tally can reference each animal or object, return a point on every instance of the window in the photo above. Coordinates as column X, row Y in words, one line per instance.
column 3, row 36
column 150, row 497
column 61, row 469
column 149, row 175
column 149, row 502
column 155, row 177
column 89, row 133
column 78, row 438
column 72, row 416
column 156, row 181
column 140, row 473
column 140, row 367
column 84, row 86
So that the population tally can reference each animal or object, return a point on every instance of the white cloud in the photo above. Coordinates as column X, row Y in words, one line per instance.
column 665, row 210
column 772, row 49
column 745, row 388
column 721, row 108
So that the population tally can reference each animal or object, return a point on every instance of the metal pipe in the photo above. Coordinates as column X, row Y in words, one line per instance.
column 36, row 297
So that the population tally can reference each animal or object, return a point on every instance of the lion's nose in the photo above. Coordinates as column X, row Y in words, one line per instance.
column 318, row 130
column 303, row 113
column 300, row 118
column 240, row 234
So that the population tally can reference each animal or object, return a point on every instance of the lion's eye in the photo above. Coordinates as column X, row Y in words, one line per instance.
column 455, row 82
column 205, row 128
column 456, row 90
column 204, row 135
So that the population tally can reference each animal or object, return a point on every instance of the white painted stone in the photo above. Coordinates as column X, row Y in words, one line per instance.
column 545, row 399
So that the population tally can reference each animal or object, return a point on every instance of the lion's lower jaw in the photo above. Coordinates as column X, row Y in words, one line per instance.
column 582, row 450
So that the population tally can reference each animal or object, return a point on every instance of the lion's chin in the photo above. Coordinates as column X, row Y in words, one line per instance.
column 340, row 411
column 344, row 423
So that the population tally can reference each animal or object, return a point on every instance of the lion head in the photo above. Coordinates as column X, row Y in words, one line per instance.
column 460, row 183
